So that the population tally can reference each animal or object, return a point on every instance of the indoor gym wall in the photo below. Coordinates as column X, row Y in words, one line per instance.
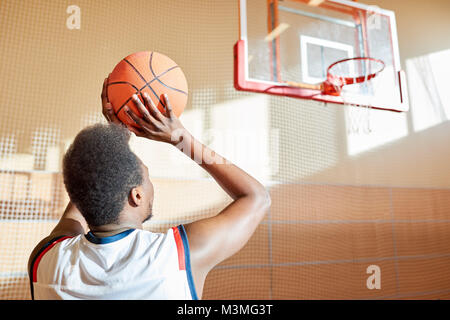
column 339, row 204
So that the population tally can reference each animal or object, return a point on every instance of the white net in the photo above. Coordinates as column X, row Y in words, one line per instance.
column 357, row 81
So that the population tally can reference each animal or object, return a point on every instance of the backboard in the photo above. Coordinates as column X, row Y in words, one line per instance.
column 285, row 48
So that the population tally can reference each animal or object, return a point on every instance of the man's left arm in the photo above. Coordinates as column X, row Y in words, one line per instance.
column 72, row 223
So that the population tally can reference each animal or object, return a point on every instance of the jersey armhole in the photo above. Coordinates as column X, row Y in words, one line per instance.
column 184, row 260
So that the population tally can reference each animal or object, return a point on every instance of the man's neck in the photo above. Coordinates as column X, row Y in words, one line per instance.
column 112, row 229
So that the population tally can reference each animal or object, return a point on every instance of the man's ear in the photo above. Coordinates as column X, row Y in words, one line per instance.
column 136, row 196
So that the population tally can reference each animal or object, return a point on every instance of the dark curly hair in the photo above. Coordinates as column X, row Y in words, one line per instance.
column 99, row 170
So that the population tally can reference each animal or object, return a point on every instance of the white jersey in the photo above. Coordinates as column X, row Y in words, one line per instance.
column 134, row 264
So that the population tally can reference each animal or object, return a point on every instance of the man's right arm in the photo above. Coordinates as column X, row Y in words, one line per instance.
column 217, row 238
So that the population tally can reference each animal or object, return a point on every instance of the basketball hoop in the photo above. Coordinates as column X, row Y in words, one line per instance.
column 356, row 81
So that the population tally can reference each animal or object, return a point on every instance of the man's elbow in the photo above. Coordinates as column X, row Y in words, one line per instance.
column 264, row 200
column 267, row 199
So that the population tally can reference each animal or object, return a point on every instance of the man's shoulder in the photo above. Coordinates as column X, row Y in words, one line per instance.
column 43, row 248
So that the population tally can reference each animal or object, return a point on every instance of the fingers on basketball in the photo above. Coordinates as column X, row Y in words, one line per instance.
column 143, row 110
column 169, row 112
column 154, row 111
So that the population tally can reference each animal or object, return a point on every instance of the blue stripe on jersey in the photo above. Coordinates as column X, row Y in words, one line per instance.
column 187, row 260
column 97, row 240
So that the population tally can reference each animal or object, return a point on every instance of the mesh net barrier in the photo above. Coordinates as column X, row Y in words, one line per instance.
column 352, row 217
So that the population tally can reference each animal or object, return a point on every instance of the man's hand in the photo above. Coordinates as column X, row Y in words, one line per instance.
column 154, row 125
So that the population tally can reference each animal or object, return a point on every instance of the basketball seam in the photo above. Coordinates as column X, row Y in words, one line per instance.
column 142, row 77
column 137, row 90
column 124, row 82
column 123, row 105
column 157, row 78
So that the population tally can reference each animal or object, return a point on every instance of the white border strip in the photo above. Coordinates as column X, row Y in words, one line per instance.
column 305, row 40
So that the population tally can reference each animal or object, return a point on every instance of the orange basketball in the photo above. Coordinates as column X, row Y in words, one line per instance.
column 150, row 72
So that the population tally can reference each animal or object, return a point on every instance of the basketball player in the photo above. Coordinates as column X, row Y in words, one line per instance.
column 99, row 249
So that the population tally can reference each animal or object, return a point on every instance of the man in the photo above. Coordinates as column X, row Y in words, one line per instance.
column 99, row 249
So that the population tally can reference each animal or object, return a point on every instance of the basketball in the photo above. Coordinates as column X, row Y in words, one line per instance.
column 146, row 72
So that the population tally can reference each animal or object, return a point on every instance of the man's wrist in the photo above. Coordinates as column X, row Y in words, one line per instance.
column 191, row 147
column 180, row 136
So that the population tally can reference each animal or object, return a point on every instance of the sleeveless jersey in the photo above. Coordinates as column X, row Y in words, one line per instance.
column 134, row 264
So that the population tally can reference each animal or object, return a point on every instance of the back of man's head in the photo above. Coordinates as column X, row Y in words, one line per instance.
column 99, row 170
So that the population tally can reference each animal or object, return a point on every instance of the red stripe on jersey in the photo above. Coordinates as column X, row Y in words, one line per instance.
column 180, row 248
column 38, row 259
